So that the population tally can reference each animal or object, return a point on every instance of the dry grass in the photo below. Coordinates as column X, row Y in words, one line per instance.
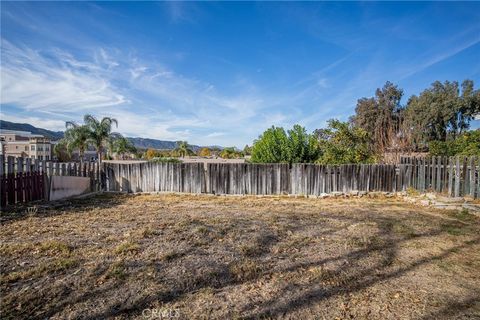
column 231, row 257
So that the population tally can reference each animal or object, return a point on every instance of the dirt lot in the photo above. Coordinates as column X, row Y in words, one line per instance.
column 153, row 256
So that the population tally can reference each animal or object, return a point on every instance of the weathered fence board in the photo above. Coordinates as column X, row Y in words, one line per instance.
column 25, row 179
column 155, row 177
column 455, row 176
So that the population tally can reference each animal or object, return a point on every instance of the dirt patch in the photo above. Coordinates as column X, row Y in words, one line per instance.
column 239, row 257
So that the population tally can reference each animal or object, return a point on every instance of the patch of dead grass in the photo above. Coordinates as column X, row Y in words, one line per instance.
column 245, row 257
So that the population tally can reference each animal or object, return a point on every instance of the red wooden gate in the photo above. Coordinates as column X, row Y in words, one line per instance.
column 21, row 187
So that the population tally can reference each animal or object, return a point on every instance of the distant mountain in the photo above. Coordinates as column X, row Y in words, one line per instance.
column 52, row 135
column 145, row 143
column 140, row 143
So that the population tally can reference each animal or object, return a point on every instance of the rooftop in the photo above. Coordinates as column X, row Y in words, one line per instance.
column 21, row 133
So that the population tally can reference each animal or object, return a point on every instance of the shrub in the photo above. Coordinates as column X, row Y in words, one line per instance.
column 165, row 160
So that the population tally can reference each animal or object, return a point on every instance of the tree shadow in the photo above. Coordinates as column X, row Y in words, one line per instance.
column 219, row 275
column 352, row 283
column 46, row 209
column 353, row 278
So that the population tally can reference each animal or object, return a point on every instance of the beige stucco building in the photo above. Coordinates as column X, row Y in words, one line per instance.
column 25, row 144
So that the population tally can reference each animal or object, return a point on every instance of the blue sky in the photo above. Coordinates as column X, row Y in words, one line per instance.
column 221, row 73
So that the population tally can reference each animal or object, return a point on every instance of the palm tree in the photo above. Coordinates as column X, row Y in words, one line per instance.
column 61, row 151
column 183, row 148
column 112, row 142
column 122, row 145
column 77, row 138
column 100, row 132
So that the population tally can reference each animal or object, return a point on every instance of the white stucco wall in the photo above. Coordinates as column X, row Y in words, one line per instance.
column 65, row 187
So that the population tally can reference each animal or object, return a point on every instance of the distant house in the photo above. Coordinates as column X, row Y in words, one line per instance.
column 25, row 144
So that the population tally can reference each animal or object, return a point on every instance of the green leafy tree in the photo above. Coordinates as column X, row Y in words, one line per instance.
column 277, row 146
column 100, row 132
column 247, row 150
column 271, row 146
column 230, row 153
column 342, row 142
column 441, row 112
column 382, row 117
column 467, row 144
column 205, row 152
column 183, row 149
column 77, row 137
column 61, row 151
column 302, row 147
column 122, row 146
column 151, row 153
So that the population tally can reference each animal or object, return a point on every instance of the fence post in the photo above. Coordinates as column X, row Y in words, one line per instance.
column 464, row 178
column 3, row 182
column 11, row 180
column 20, row 179
column 450, row 176
column 457, row 176
column 478, row 177
column 472, row 177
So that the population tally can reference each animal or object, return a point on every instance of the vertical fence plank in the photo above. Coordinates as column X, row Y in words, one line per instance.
column 471, row 184
column 19, row 180
column 457, row 176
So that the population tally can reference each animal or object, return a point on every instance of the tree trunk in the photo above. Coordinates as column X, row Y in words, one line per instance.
column 99, row 172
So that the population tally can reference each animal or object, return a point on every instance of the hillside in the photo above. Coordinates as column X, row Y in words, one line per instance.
column 53, row 135
column 140, row 143
column 144, row 143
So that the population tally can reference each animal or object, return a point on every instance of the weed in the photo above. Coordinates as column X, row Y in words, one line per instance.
column 127, row 247
column 405, row 230
column 412, row 192
column 51, row 247
column 40, row 270
column 245, row 269
column 463, row 215
column 149, row 232
column 250, row 250
column 453, row 229
column 363, row 241
column 202, row 230
column 171, row 255
column 117, row 271
column 55, row 247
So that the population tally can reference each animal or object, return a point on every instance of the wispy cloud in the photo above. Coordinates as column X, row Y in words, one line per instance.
column 167, row 105
column 34, row 80
column 442, row 56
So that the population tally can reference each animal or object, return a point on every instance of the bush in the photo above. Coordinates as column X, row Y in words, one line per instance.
column 342, row 143
column 164, row 160
column 277, row 146
column 467, row 144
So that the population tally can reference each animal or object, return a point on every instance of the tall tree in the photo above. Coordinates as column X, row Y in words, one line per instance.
column 381, row 116
column 61, row 151
column 205, row 152
column 343, row 142
column 441, row 112
column 183, row 148
column 122, row 146
column 271, row 146
column 76, row 137
column 100, row 132
column 302, row 147
column 275, row 145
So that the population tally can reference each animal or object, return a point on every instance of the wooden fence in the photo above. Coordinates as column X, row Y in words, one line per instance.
column 152, row 177
column 452, row 176
column 455, row 176
column 25, row 179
